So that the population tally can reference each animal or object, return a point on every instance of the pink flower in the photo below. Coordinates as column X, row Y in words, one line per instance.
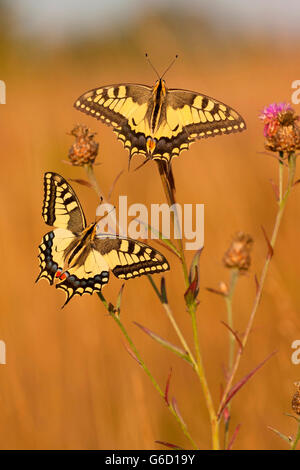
column 271, row 116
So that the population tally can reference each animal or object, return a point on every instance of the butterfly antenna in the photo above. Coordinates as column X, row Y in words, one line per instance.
column 169, row 66
column 152, row 66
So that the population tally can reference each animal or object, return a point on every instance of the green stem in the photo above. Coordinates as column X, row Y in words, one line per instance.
column 179, row 333
column 203, row 381
column 228, row 300
column 169, row 192
column 296, row 440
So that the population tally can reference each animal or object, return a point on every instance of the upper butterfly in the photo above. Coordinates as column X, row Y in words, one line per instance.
column 77, row 259
column 156, row 121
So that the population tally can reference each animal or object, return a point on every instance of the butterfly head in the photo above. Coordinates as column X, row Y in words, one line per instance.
column 159, row 88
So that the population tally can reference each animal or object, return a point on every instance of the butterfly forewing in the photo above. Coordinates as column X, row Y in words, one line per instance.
column 125, row 108
column 202, row 116
column 61, row 207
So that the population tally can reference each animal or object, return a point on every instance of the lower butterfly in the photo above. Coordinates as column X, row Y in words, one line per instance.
column 75, row 258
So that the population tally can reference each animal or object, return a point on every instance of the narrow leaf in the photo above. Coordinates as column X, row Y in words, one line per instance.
column 175, row 408
column 270, row 248
column 274, row 155
column 119, row 299
column 169, row 445
column 293, row 416
column 194, row 264
column 131, row 353
column 82, row 182
column 114, row 184
column 167, row 387
column 215, row 291
column 154, row 286
column 175, row 349
column 192, row 291
column 234, row 334
column 243, row 381
column 235, row 433
column 256, row 284
column 283, row 436
column 296, row 182
column 163, row 291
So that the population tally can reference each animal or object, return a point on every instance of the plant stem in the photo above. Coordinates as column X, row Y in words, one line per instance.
column 228, row 300
column 93, row 180
column 296, row 440
column 179, row 333
column 168, row 186
column 280, row 177
column 281, row 206
column 166, row 176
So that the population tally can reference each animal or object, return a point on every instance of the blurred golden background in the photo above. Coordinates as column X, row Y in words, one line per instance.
column 69, row 382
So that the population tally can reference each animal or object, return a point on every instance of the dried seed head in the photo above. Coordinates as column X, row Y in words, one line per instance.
column 85, row 149
column 280, row 128
column 238, row 254
column 296, row 399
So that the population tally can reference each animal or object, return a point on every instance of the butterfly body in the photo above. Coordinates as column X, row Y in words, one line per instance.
column 77, row 259
column 156, row 121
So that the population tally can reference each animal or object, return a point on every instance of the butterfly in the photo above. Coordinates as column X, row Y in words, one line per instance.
column 75, row 258
column 156, row 121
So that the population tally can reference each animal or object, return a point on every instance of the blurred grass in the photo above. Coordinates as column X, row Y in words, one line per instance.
column 69, row 382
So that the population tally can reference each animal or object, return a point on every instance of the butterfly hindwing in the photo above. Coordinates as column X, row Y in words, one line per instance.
column 129, row 258
column 84, row 278
column 51, row 252
column 61, row 207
